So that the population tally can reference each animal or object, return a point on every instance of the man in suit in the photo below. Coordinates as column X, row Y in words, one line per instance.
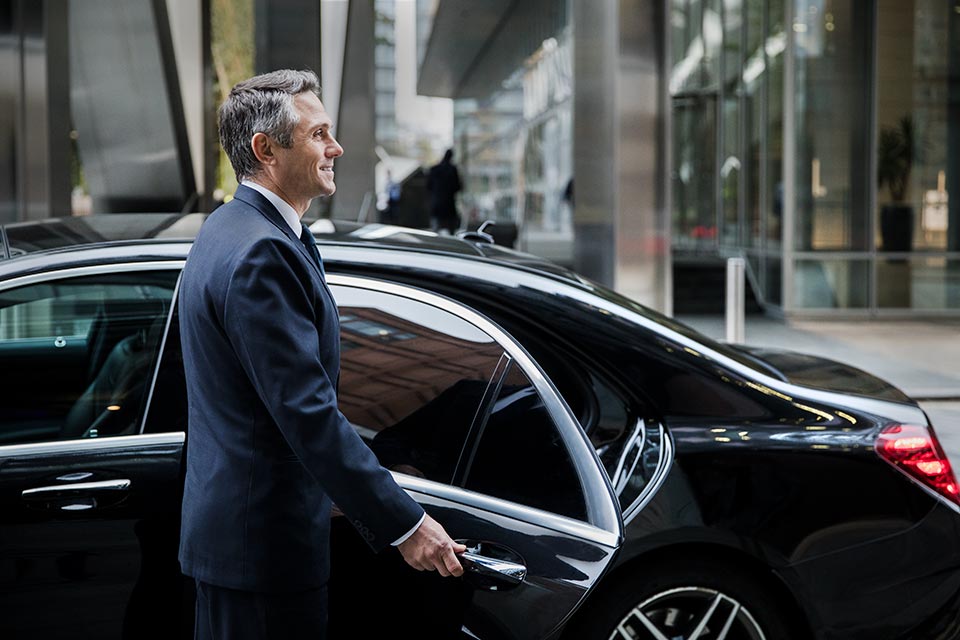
column 268, row 449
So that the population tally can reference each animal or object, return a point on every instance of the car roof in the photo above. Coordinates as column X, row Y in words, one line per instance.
column 99, row 237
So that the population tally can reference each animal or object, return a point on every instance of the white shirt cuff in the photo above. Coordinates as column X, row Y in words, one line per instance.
column 403, row 538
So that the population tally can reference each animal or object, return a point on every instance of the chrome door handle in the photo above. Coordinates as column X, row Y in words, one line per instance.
column 72, row 489
column 510, row 572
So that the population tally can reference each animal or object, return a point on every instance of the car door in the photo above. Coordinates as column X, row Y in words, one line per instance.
column 87, row 502
column 476, row 433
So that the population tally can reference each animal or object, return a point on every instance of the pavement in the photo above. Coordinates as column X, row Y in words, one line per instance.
column 921, row 357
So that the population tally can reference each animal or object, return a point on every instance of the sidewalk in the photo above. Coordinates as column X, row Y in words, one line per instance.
column 921, row 357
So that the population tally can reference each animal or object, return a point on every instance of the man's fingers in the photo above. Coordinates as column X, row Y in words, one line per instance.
column 431, row 549
column 452, row 564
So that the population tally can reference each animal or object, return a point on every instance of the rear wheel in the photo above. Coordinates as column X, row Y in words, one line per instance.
column 702, row 600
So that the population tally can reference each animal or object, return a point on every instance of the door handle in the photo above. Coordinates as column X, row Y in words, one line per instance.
column 79, row 496
column 510, row 572
column 491, row 566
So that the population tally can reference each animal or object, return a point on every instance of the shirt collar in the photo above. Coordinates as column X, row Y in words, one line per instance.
column 288, row 213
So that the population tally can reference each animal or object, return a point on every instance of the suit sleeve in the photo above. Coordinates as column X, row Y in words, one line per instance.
column 270, row 318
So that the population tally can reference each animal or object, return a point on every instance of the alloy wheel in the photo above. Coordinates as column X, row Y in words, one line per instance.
column 688, row 613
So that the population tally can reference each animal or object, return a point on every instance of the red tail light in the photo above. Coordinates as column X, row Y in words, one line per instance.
column 915, row 450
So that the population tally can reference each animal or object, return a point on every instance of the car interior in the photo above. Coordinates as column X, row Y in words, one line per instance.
column 90, row 382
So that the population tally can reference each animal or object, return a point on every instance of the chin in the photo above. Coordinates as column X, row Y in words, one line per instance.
column 325, row 191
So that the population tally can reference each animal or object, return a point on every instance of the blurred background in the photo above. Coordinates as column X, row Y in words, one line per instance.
column 641, row 142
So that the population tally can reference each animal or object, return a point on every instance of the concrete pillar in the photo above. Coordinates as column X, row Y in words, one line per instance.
column 356, row 128
column 621, row 150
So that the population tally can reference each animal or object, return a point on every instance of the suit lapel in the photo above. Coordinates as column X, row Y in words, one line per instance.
column 256, row 200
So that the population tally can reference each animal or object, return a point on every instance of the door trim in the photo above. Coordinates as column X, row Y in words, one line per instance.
column 89, row 445
column 545, row 519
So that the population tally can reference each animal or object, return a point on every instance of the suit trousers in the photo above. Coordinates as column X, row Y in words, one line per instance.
column 229, row 614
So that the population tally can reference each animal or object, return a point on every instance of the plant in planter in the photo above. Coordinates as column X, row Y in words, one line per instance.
column 895, row 156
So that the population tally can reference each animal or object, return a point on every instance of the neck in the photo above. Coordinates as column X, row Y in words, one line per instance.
column 299, row 205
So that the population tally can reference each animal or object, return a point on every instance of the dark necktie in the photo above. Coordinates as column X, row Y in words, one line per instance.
column 306, row 237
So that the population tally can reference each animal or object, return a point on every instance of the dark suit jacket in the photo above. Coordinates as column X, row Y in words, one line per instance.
column 267, row 446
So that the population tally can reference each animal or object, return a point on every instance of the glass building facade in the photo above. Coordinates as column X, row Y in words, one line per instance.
column 514, row 145
column 820, row 139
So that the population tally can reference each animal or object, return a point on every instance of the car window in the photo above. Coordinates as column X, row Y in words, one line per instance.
column 520, row 455
column 412, row 379
column 79, row 354
column 167, row 406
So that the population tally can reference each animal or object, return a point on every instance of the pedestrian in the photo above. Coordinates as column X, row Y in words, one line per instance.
column 268, row 450
column 391, row 212
column 443, row 183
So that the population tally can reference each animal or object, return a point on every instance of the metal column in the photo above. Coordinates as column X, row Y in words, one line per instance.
column 35, row 114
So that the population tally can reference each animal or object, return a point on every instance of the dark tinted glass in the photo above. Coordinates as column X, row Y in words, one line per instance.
column 167, row 410
column 412, row 379
column 78, row 354
column 520, row 455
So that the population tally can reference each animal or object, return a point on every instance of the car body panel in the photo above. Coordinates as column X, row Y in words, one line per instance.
column 763, row 472
column 87, row 553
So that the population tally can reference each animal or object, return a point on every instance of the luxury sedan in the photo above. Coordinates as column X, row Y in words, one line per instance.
column 614, row 474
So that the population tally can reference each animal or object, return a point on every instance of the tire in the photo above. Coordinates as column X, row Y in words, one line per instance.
column 676, row 598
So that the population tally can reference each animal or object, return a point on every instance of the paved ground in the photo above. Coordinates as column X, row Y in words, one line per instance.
column 920, row 357
column 945, row 417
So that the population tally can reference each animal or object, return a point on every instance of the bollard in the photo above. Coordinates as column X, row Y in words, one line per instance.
column 736, row 300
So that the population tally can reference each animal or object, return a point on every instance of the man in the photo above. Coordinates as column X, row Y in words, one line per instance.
column 268, row 448
column 443, row 183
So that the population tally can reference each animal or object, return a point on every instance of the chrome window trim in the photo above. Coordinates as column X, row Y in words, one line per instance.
column 91, row 270
column 90, row 445
column 664, row 463
column 604, row 510
column 498, row 506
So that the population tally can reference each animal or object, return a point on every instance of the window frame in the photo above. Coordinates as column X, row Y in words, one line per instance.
column 602, row 505
column 66, row 273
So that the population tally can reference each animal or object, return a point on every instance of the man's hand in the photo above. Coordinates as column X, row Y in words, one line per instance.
column 430, row 548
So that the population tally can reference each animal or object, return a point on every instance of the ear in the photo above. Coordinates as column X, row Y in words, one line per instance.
column 263, row 148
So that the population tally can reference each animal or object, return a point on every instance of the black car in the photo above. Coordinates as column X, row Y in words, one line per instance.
column 613, row 473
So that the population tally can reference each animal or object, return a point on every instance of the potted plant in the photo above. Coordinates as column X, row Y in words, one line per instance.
column 895, row 155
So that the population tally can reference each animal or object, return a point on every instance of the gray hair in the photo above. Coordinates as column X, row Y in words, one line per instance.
column 262, row 104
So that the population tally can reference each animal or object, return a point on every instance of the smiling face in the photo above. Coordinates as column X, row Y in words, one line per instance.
column 305, row 170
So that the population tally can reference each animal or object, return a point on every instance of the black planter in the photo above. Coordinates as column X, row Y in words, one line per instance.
column 896, row 227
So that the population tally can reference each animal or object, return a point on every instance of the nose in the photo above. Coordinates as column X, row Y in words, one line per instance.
column 334, row 150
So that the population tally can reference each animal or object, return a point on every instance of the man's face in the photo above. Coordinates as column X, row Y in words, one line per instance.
column 305, row 170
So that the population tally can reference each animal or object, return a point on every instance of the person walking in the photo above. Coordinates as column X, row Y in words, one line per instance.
column 443, row 183
column 268, row 451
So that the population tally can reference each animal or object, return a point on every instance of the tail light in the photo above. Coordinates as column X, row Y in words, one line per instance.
column 915, row 451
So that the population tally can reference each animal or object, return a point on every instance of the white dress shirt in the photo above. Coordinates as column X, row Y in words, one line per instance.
column 291, row 217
